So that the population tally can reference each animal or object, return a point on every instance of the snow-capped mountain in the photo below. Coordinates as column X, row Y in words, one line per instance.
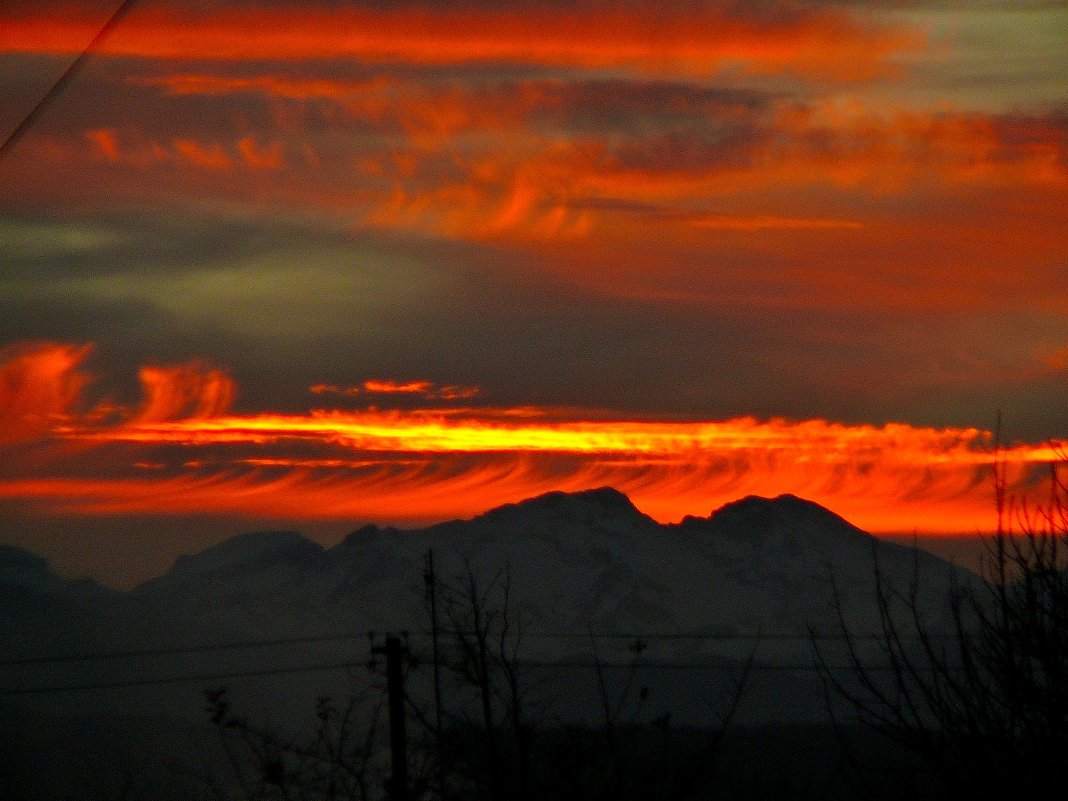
column 580, row 563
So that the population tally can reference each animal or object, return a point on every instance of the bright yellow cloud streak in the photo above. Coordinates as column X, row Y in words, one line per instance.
column 811, row 441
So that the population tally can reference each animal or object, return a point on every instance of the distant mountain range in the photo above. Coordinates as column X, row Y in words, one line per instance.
column 277, row 618
column 579, row 563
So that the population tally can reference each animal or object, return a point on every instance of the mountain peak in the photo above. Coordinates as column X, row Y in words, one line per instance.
column 23, row 570
column 786, row 501
column 584, row 504
column 756, row 514
column 604, row 497
column 601, row 506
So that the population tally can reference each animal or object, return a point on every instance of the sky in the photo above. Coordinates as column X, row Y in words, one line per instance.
column 315, row 264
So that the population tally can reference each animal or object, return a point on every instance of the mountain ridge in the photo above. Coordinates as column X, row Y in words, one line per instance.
column 582, row 570
column 582, row 560
column 552, row 516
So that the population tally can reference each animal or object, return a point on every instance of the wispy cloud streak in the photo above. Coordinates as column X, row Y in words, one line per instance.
column 180, row 452
column 648, row 38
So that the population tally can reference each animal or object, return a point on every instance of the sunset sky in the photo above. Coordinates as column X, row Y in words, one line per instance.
column 314, row 264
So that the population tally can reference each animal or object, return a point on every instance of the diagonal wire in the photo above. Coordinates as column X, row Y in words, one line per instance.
column 63, row 80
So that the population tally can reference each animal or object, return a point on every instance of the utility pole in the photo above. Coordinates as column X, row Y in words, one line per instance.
column 395, row 651
column 431, row 587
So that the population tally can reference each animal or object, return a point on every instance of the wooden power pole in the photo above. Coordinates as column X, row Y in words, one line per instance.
column 431, row 587
column 395, row 652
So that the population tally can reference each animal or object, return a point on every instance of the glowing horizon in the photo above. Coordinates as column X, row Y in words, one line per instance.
column 438, row 464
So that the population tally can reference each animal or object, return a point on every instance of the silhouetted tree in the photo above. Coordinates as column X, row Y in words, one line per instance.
column 334, row 761
column 488, row 751
column 982, row 709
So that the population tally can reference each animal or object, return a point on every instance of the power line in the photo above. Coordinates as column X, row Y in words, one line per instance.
column 69, row 74
column 713, row 637
column 639, row 665
column 175, row 650
column 240, row 674
column 632, row 637
column 539, row 664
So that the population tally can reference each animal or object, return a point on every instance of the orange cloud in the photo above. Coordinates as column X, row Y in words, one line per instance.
column 515, row 162
column 836, row 217
column 819, row 446
column 258, row 158
column 1057, row 359
column 106, row 143
column 190, row 391
column 402, row 387
column 853, row 144
column 245, row 152
column 825, row 44
column 210, row 158
column 40, row 384
column 378, row 386
column 765, row 222
column 183, row 84
column 539, row 188
column 435, row 464
column 844, row 147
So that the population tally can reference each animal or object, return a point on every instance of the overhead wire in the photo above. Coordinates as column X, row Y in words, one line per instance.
column 68, row 75
column 175, row 650
column 197, row 677
column 540, row 664
column 630, row 637
column 635, row 663
column 643, row 638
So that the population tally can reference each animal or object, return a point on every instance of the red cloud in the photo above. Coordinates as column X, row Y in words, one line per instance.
column 105, row 141
column 40, row 386
column 269, row 158
column 1057, row 359
column 188, row 391
column 648, row 38
column 387, row 386
column 211, row 157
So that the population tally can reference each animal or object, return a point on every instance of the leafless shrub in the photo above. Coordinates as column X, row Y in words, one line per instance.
column 980, row 708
